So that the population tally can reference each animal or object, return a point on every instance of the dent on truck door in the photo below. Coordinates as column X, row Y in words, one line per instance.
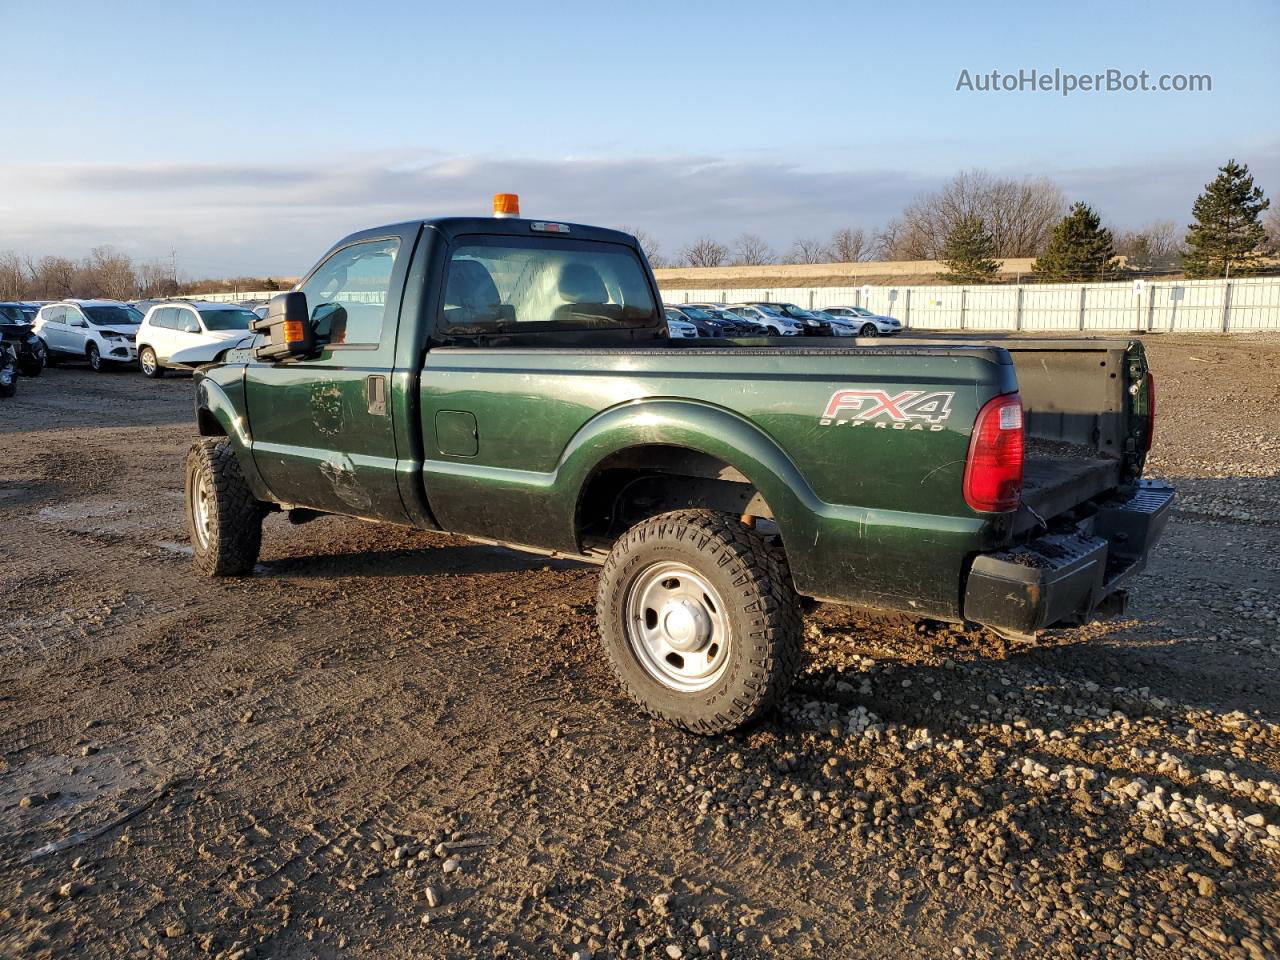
column 322, row 432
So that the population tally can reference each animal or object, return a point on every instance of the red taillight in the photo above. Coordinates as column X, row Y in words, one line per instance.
column 993, row 472
column 1151, row 408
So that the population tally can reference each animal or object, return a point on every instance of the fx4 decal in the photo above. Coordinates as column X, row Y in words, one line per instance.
column 908, row 410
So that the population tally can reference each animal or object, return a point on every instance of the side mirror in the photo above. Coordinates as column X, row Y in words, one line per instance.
column 78, row 322
column 288, row 328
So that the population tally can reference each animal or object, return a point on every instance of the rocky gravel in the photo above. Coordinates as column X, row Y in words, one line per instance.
column 389, row 744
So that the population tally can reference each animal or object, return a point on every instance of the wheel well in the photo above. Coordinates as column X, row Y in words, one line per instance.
column 208, row 424
column 641, row 482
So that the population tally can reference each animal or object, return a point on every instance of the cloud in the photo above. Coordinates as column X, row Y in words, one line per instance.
column 277, row 219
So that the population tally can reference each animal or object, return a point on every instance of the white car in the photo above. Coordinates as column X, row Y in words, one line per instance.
column 777, row 324
column 679, row 329
column 100, row 331
column 170, row 327
column 869, row 324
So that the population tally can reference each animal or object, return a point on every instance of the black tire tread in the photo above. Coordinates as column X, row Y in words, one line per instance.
column 237, row 538
column 769, row 579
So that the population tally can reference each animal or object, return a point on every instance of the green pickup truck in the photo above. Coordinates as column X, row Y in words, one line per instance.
column 512, row 381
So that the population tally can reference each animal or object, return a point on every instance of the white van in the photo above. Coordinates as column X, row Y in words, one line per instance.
column 170, row 327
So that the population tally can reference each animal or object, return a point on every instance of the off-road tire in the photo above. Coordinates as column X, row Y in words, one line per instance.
column 94, row 356
column 234, row 536
column 156, row 371
column 763, row 611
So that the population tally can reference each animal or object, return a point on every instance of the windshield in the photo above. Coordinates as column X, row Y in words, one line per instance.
column 231, row 318
column 861, row 312
column 11, row 315
column 696, row 314
column 112, row 316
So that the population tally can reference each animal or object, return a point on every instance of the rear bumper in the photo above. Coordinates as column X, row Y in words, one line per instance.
column 1067, row 575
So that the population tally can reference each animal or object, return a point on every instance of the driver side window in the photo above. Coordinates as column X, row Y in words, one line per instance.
column 347, row 295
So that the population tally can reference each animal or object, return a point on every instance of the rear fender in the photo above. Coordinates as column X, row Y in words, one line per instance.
column 719, row 433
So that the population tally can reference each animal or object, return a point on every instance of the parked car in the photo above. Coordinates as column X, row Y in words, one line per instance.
column 813, row 325
column 16, row 332
column 680, row 329
column 99, row 331
column 8, row 369
column 717, row 487
column 771, row 321
column 838, row 326
column 177, row 325
column 706, row 324
column 869, row 324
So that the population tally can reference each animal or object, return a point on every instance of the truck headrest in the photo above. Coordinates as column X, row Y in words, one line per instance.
column 581, row 283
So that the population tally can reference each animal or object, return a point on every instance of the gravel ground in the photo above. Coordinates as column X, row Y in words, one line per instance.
column 392, row 744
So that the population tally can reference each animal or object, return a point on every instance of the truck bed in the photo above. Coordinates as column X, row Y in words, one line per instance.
column 1073, row 393
column 1056, row 476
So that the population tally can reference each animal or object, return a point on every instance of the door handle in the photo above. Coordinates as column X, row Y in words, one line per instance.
column 376, row 388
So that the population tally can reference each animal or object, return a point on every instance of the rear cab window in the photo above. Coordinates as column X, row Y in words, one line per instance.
column 509, row 284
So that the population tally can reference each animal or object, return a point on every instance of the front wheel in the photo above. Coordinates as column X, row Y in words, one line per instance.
column 868, row 330
column 95, row 358
column 700, row 620
column 224, row 520
column 149, row 364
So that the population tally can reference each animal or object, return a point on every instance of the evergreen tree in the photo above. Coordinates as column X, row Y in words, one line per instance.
column 1081, row 248
column 969, row 252
column 1228, row 234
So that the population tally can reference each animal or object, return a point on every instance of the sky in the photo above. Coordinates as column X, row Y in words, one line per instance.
column 247, row 137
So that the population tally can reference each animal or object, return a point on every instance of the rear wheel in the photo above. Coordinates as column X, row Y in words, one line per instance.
column 700, row 620
column 868, row 330
column 95, row 357
column 224, row 520
column 149, row 364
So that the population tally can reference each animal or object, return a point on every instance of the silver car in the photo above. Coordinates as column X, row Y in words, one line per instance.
column 868, row 324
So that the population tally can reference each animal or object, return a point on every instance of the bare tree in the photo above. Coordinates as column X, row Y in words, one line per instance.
column 1272, row 225
column 54, row 277
column 13, row 282
column 751, row 250
column 1020, row 214
column 704, row 252
column 155, row 279
column 652, row 251
column 890, row 241
column 808, row 250
column 1156, row 246
column 849, row 245
column 111, row 273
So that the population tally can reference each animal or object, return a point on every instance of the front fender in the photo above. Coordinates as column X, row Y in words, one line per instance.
column 214, row 401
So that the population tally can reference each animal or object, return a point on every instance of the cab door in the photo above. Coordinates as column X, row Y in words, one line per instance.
column 321, row 427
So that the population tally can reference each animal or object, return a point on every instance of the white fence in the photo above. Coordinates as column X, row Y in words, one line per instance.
column 1181, row 306
column 1176, row 306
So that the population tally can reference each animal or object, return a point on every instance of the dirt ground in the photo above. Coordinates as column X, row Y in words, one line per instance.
column 394, row 744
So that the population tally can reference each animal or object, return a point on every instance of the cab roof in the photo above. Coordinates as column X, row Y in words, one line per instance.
column 451, row 227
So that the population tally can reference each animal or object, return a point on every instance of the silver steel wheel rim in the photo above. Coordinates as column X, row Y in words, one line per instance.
column 678, row 627
column 202, row 511
column 148, row 362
